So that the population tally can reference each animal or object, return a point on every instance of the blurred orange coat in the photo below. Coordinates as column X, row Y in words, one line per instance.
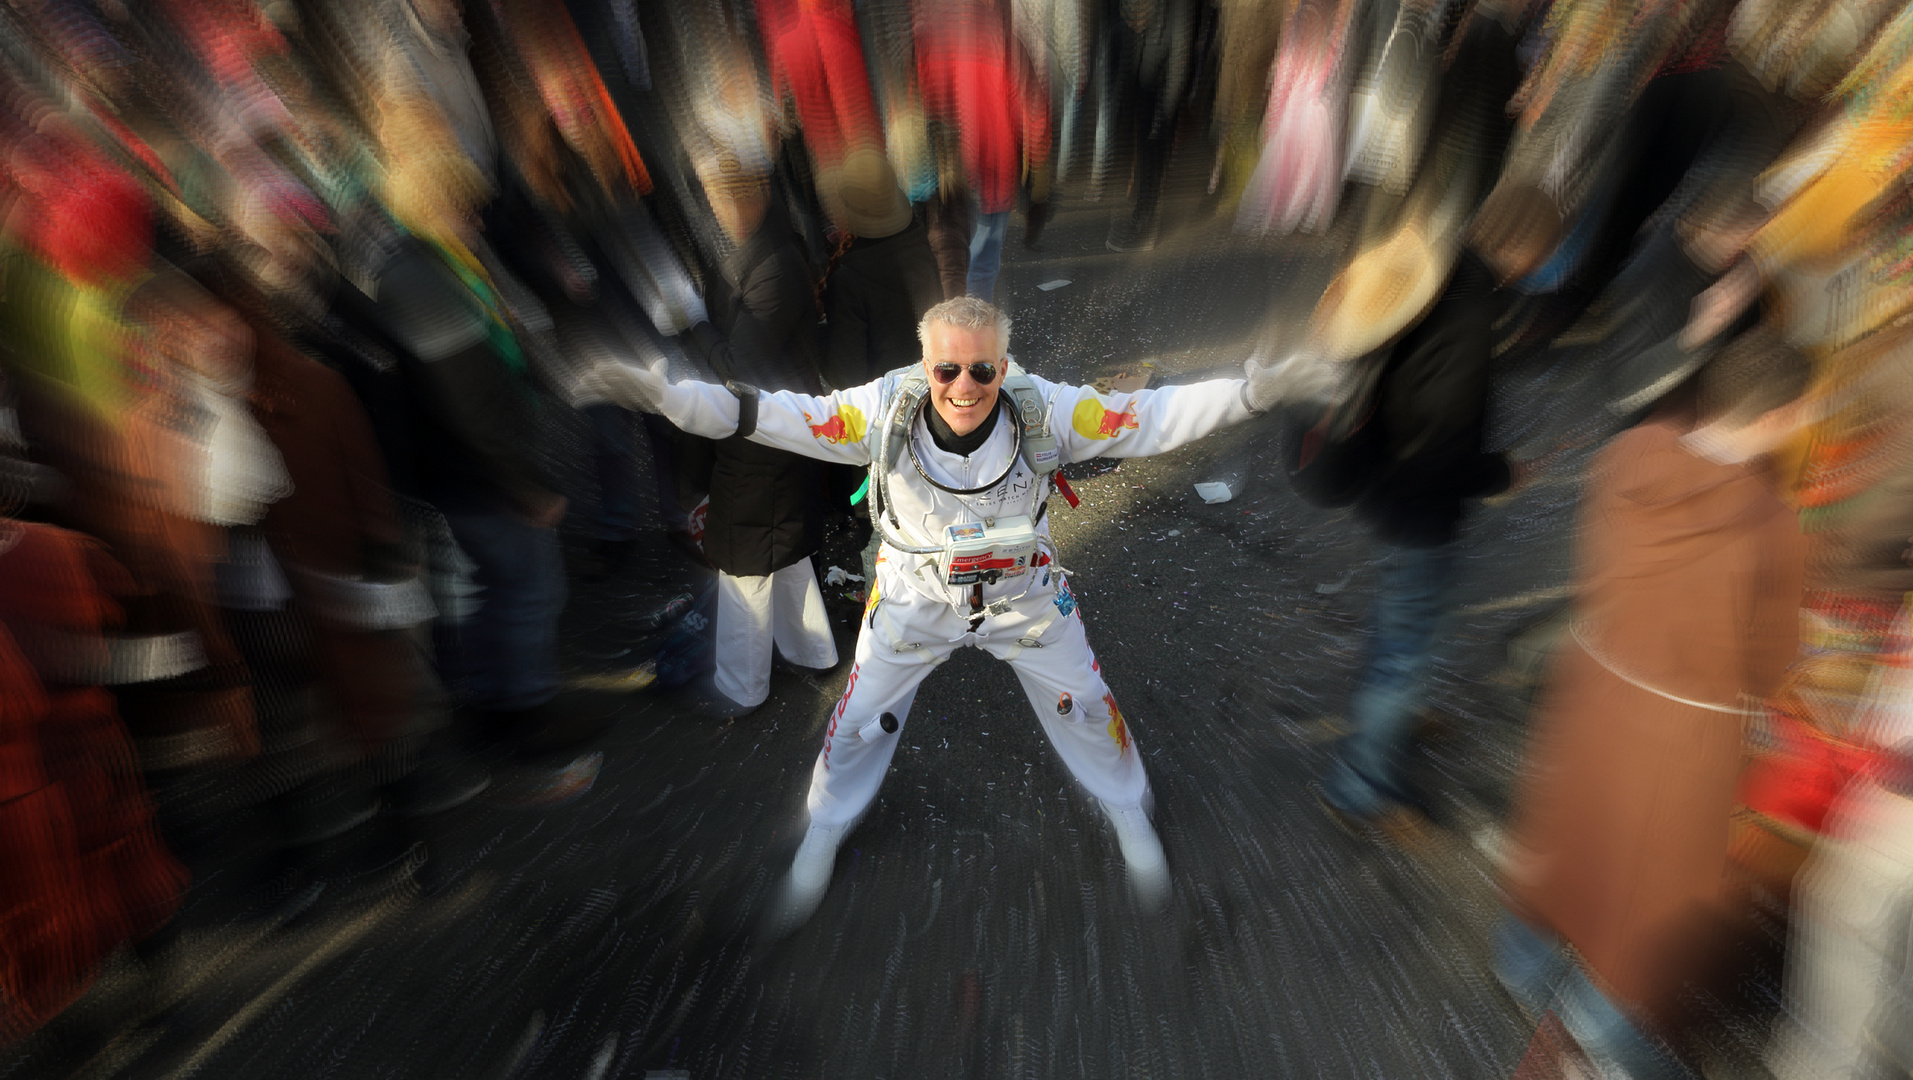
column 1690, row 588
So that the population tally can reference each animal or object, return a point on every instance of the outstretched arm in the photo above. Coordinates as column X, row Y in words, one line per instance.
column 1089, row 425
column 837, row 427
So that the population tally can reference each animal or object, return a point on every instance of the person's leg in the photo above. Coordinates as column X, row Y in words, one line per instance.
column 509, row 646
column 471, row 657
column 1616, row 1045
column 1850, row 935
column 1410, row 603
column 674, row 515
column 1064, row 683
column 884, row 679
column 744, row 638
column 986, row 253
column 857, row 751
column 1079, row 714
column 947, row 217
column 615, row 456
column 799, row 624
column 1529, row 962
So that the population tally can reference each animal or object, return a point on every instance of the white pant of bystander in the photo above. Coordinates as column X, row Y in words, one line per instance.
column 785, row 608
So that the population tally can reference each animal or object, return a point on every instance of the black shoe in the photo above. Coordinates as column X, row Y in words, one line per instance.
column 613, row 555
column 564, row 725
column 1130, row 235
column 325, row 807
column 444, row 779
column 1038, row 216
column 1404, row 828
column 1351, row 825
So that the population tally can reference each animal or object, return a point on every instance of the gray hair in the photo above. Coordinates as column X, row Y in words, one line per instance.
column 966, row 313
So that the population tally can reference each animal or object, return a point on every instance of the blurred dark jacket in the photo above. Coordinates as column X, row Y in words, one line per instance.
column 1431, row 409
column 874, row 297
column 471, row 404
column 1689, row 588
column 767, row 505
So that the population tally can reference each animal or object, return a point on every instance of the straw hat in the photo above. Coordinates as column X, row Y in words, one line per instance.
column 1383, row 291
column 863, row 198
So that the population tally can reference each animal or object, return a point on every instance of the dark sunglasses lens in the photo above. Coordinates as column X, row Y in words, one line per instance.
column 984, row 374
column 946, row 373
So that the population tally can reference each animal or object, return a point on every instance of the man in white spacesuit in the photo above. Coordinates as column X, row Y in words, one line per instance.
column 963, row 451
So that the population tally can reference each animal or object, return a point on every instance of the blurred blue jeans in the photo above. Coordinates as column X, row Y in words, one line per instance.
column 1540, row 975
column 506, row 654
column 1411, row 602
column 615, row 454
column 986, row 254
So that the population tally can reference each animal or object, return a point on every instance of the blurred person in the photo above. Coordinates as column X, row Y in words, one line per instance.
column 1297, row 181
column 198, row 467
column 882, row 279
column 1848, row 969
column 1625, row 126
column 1246, row 35
column 474, row 410
column 1427, row 462
column 1686, row 616
column 977, row 81
column 1147, row 59
column 766, row 511
column 86, row 871
column 982, row 455
column 569, row 207
column 337, row 542
column 428, row 55
column 816, row 61
column 128, row 401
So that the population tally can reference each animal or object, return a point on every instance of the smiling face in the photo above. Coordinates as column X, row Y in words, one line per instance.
column 963, row 403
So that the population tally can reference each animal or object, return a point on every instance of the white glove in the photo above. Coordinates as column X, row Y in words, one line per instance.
column 1298, row 377
column 620, row 383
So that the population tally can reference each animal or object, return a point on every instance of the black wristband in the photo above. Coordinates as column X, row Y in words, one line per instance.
column 746, row 395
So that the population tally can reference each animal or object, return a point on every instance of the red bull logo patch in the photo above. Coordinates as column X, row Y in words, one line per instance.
column 846, row 425
column 1118, row 730
column 1094, row 421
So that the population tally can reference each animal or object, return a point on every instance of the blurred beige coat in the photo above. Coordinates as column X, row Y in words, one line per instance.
column 1690, row 585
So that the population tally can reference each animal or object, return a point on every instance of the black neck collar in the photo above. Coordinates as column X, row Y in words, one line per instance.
column 949, row 441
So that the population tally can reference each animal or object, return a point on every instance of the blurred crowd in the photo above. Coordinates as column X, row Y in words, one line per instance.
column 295, row 295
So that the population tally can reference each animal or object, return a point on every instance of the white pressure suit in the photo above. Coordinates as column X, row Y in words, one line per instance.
column 913, row 621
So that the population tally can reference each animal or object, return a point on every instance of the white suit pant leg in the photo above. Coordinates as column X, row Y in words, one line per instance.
column 744, row 617
column 1079, row 714
column 799, row 624
column 1853, row 902
column 884, row 680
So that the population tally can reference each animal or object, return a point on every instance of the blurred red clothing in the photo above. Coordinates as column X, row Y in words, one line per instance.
column 85, row 870
column 972, row 76
column 817, row 58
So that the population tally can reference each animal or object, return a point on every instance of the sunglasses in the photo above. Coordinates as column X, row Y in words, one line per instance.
column 983, row 373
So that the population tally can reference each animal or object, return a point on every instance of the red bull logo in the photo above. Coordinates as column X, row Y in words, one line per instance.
column 1092, row 420
column 846, row 425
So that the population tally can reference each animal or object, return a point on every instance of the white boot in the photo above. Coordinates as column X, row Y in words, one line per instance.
column 1148, row 868
column 809, row 876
